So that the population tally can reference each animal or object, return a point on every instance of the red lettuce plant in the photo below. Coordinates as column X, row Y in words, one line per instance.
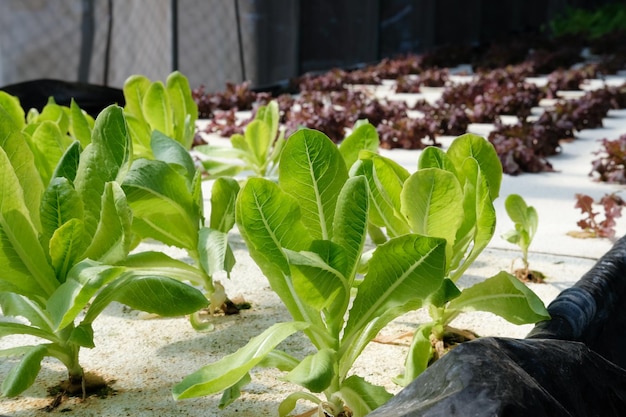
column 612, row 162
column 590, row 225
column 433, row 77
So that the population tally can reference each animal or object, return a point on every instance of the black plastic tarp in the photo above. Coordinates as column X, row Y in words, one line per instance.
column 570, row 366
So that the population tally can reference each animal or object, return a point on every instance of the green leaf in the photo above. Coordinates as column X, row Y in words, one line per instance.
column 364, row 137
column 350, row 222
column 269, row 220
column 433, row 157
column 112, row 239
column 15, row 351
column 11, row 328
column 140, row 134
column 279, row 360
column 214, row 251
column 66, row 247
column 22, row 258
column 197, row 197
column 168, row 150
column 287, row 405
column 229, row 370
column 223, row 198
column 22, row 375
column 448, row 291
column 240, row 144
column 54, row 113
column 184, row 108
column 505, row 296
column 432, row 201
column 257, row 138
column 60, row 204
column 82, row 335
column 80, row 124
column 157, row 109
column 521, row 214
column 48, row 145
column 135, row 89
column 218, row 169
column 313, row 171
column 479, row 223
column 23, row 165
column 315, row 372
column 516, row 208
column 162, row 204
column 158, row 263
column 402, row 273
column 513, row 236
column 361, row 396
column 84, row 280
column 12, row 109
column 419, row 355
column 319, row 274
column 161, row 295
column 385, row 180
column 270, row 114
column 142, row 290
column 102, row 161
column 478, row 148
column 68, row 164
column 15, row 305
column 230, row 394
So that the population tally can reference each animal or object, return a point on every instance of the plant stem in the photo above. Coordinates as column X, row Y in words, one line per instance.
column 68, row 353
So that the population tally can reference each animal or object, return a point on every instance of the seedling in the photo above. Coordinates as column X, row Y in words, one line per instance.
column 65, row 249
column 163, row 185
column 168, row 108
column 165, row 195
column 307, row 234
column 593, row 227
column 526, row 220
column 257, row 151
column 449, row 197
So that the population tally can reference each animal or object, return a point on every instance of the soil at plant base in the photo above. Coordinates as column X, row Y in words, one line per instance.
column 451, row 338
column 90, row 384
column 529, row 275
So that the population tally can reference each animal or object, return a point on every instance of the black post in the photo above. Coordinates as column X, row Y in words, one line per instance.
column 242, row 61
column 107, row 49
column 86, row 43
column 174, row 11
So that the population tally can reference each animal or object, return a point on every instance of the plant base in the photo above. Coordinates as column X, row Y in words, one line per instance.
column 527, row 275
column 90, row 384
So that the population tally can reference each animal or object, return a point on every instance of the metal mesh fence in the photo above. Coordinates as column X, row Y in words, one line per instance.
column 39, row 39
column 217, row 41
column 208, row 44
column 118, row 38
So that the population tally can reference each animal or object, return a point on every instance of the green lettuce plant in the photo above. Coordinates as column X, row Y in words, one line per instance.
column 50, row 132
column 450, row 197
column 526, row 221
column 307, row 233
column 166, row 107
column 162, row 184
column 257, row 151
column 165, row 196
column 64, row 248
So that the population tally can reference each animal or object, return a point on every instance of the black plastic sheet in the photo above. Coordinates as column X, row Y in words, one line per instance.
column 89, row 97
column 571, row 365
column 514, row 378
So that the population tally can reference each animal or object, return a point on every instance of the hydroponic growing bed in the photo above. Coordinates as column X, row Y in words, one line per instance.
column 142, row 357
